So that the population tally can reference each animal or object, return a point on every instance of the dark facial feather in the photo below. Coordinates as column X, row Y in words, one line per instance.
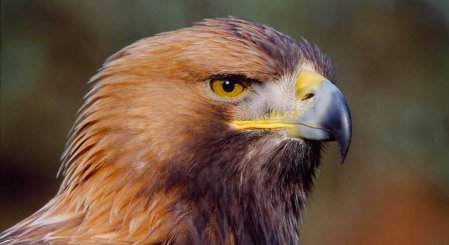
column 243, row 184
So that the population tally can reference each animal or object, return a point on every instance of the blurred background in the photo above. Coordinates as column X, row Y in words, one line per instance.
column 392, row 60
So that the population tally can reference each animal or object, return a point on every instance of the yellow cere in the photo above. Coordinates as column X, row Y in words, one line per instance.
column 307, row 81
column 227, row 88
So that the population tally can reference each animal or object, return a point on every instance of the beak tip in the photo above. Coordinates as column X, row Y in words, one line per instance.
column 343, row 154
column 344, row 141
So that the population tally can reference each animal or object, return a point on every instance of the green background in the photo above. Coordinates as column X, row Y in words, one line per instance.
column 392, row 60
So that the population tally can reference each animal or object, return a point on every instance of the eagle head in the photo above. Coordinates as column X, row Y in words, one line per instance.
column 208, row 134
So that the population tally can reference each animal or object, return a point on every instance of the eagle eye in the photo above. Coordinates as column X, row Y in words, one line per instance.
column 229, row 87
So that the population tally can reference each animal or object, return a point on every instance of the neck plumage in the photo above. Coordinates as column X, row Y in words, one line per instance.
column 247, row 190
column 215, row 190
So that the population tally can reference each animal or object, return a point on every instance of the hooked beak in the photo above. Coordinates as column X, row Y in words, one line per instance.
column 321, row 113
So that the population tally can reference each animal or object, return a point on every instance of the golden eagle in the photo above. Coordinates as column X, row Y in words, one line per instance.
column 205, row 135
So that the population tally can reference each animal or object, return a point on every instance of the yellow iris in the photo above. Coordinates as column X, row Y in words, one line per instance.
column 228, row 88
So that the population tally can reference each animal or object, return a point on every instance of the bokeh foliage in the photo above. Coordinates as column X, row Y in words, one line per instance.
column 392, row 60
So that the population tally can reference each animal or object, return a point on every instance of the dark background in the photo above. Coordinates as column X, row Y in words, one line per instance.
column 392, row 60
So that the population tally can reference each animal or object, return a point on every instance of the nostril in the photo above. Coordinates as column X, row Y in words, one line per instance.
column 308, row 96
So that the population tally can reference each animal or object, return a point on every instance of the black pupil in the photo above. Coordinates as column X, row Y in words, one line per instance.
column 228, row 86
